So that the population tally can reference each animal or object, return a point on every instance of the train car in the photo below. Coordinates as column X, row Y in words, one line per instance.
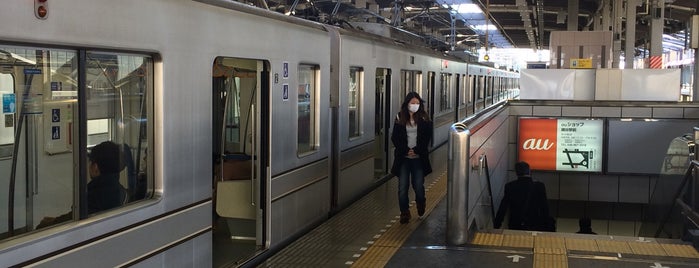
column 238, row 129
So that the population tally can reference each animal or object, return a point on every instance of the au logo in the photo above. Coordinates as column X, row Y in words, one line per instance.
column 536, row 144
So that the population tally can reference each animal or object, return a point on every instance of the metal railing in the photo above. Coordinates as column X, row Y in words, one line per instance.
column 458, row 171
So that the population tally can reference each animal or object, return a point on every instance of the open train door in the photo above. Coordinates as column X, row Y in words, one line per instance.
column 240, row 148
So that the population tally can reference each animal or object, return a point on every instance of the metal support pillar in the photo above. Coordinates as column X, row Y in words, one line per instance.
column 695, row 84
column 606, row 16
column 573, row 11
column 630, row 34
column 617, row 19
column 656, row 34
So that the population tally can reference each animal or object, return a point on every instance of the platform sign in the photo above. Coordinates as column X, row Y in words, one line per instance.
column 581, row 63
column 561, row 144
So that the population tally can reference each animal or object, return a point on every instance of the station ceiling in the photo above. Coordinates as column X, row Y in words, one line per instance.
column 447, row 24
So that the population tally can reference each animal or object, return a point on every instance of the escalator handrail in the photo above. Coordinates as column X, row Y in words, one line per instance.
column 687, row 176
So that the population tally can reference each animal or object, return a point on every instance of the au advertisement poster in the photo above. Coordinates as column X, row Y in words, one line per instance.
column 561, row 144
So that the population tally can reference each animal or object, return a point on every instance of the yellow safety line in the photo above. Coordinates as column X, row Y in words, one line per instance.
column 382, row 249
column 549, row 251
column 552, row 251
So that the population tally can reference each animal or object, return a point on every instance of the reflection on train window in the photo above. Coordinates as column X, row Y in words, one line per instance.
column 444, row 92
column 356, row 80
column 307, row 108
column 481, row 87
column 410, row 81
column 463, row 89
column 97, row 131
column 45, row 171
column 426, row 94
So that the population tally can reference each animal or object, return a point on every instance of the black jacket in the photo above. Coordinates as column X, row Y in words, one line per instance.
column 399, row 137
column 515, row 200
column 104, row 192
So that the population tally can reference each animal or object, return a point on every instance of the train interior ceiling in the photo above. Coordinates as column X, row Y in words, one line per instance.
column 517, row 23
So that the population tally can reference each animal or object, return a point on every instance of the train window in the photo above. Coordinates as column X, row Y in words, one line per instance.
column 444, row 92
column 356, row 85
column 481, row 87
column 9, row 108
column 410, row 81
column 119, row 87
column 307, row 108
column 44, row 175
column 472, row 87
column 426, row 94
column 463, row 89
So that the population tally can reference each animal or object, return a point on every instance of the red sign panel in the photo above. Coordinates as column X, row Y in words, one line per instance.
column 537, row 142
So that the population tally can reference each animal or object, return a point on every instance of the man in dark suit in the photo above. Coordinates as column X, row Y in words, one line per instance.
column 526, row 200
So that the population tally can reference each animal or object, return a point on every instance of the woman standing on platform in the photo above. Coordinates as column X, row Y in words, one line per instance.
column 412, row 132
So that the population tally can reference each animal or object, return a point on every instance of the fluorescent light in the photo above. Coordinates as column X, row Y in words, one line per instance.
column 468, row 8
column 482, row 27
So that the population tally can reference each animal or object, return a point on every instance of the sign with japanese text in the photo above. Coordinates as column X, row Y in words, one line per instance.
column 561, row 144
column 581, row 63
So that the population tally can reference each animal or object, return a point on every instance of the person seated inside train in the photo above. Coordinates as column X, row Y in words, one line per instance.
column 104, row 191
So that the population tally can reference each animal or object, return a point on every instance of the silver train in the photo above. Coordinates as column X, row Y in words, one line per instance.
column 239, row 128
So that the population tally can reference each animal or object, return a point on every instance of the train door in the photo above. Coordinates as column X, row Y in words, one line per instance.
column 240, row 123
column 428, row 94
column 381, row 121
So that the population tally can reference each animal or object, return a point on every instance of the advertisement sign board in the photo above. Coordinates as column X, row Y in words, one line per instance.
column 561, row 144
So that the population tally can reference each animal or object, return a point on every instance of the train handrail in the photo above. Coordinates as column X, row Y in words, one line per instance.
column 490, row 188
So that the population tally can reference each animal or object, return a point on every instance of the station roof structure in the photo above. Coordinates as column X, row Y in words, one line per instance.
column 466, row 24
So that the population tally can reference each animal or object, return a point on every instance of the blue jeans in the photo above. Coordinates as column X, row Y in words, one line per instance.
column 411, row 167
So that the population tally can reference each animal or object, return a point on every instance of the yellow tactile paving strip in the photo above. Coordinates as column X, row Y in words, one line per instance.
column 383, row 248
column 613, row 246
column 685, row 251
column 487, row 239
column 518, row 241
column 552, row 251
column 542, row 260
column 647, row 248
column 549, row 242
column 581, row 244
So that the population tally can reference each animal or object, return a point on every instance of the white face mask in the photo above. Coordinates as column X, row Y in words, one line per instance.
column 413, row 107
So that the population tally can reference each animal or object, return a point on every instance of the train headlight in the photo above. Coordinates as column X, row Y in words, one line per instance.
column 41, row 9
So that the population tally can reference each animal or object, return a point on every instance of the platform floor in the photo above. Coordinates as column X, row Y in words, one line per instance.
column 368, row 234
